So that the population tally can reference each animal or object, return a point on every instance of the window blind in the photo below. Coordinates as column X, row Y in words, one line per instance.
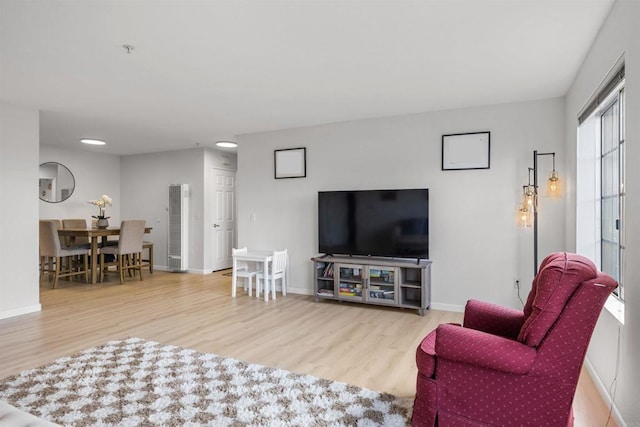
column 601, row 95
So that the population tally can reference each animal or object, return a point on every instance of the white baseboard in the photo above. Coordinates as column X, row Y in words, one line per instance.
column 602, row 389
column 190, row 270
column 447, row 307
column 198, row 271
column 20, row 311
column 299, row 291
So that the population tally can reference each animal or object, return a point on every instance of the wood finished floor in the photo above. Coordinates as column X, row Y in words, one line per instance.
column 368, row 346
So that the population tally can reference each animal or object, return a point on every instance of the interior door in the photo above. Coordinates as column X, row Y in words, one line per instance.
column 223, row 221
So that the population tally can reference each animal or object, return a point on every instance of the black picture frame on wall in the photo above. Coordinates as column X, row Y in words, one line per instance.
column 462, row 151
column 290, row 163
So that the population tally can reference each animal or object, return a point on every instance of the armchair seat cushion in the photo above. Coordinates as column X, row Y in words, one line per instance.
column 483, row 350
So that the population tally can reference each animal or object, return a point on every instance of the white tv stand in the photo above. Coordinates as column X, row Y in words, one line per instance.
column 381, row 281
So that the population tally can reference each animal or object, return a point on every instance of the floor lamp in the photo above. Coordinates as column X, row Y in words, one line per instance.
column 528, row 210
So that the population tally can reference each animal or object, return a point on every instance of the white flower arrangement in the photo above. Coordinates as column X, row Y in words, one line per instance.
column 101, row 203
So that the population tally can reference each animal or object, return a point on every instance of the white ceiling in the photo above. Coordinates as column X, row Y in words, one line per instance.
column 208, row 70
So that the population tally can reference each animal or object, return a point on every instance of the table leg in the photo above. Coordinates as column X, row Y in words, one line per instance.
column 273, row 282
column 94, row 259
column 285, row 279
column 266, row 280
column 234, row 278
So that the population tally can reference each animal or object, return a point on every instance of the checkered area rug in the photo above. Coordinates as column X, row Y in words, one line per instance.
column 136, row 382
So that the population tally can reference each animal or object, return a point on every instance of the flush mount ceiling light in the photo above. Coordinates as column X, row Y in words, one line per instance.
column 91, row 141
column 226, row 144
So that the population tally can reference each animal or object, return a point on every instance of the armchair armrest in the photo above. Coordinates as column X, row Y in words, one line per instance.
column 492, row 318
column 482, row 349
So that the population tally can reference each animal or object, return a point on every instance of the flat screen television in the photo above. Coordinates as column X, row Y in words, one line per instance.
column 384, row 223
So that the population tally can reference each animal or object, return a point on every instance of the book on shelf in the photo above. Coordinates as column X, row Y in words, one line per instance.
column 325, row 292
column 382, row 294
column 328, row 270
column 350, row 273
column 350, row 291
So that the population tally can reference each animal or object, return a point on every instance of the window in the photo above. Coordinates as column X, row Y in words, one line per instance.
column 600, row 215
column 612, row 188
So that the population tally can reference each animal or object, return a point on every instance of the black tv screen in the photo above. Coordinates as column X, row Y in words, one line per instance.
column 386, row 223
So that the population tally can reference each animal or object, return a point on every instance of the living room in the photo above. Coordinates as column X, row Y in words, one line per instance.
column 475, row 245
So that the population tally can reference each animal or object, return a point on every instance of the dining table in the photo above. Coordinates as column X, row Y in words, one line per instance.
column 94, row 234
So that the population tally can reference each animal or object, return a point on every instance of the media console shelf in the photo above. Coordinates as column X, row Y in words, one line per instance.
column 392, row 282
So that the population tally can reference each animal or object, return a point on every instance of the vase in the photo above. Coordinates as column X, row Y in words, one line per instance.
column 102, row 223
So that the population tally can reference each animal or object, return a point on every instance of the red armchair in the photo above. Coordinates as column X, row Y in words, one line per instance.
column 506, row 367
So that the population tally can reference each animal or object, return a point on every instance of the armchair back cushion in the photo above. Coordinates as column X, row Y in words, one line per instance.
column 559, row 276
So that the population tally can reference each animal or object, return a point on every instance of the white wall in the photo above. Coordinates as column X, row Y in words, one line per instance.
column 475, row 245
column 95, row 174
column 19, row 285
column 145, row 195
column 619, row 35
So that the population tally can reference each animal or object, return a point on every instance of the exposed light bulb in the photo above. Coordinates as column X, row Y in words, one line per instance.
column 530, row 197
column 553, row 185
column 524, row 216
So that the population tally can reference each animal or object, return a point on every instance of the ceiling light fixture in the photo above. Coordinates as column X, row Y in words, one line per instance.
column 226, row 144
column 92, row 141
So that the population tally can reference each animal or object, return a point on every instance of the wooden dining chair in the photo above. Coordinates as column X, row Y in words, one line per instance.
column 45, row 261
column 128, row 252
column 76, row 241
column 50, row 247
column 278, row 271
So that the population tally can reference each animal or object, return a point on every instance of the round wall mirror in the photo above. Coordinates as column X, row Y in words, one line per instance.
column 56, row 182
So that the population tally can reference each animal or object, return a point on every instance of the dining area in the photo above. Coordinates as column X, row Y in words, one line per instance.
column 71, row 248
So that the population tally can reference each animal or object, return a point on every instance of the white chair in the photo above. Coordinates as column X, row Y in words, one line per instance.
column 242, row 269
column 278, row 271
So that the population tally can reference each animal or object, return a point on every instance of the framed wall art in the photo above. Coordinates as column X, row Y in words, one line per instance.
column 290, row 163
column 462, row 151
